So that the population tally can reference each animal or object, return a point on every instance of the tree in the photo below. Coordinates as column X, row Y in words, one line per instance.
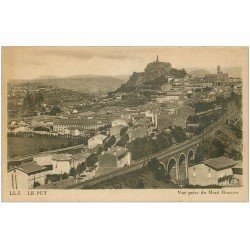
column 110, row 142
column 123, row 131
column 65, row 176
column 41, row 128
column 91, row 160
column 72, row 172
column 157, row 168
column 36, row 184
column 124, row 140
column 80, row 168
column 55, row 110
column 178, row 134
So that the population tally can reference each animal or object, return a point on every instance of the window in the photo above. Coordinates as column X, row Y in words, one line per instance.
column 209, row 176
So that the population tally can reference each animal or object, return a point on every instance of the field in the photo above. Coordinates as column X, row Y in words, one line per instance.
column 18, row 146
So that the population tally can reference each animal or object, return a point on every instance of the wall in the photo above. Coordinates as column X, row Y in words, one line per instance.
column 43, row 160
column 40, row 177
column 125, row 160
column 20, row 179
column 107, row 160
column 60, row 167
column 23, row 181
column 202, row 172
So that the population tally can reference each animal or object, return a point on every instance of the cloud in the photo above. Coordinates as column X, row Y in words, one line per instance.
column 87, row 53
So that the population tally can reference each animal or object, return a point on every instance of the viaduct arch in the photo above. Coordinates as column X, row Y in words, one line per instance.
column 177, row 164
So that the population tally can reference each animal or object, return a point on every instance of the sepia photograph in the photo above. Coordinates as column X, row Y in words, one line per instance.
column 124, row 125
column 160, row 123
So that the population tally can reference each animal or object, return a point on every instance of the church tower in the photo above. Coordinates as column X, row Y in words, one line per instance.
column 218, row 69
column 157, row 59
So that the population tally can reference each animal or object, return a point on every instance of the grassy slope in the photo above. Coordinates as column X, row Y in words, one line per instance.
column 140, row 179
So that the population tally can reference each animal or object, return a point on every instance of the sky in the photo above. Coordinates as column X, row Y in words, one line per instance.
column 33, row 62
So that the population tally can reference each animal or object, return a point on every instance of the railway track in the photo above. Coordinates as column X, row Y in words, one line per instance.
column 136, row 165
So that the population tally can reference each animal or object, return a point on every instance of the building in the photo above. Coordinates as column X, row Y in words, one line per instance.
column 234, row 80
column 116, row 131
column 151, row 116
column 166, row 87
column 116, row 157
column 238, row 174
column 96, row 140
column 137, row 133
column 216, row 171
column 179, row 121
column 61, row 163
column 119, row 122
column 217, row 78
column 164, row 121
column 28, row 175
column 76, row 132
column 80, row 158
column 43, row 159
column 72, row 124
column 207, row 84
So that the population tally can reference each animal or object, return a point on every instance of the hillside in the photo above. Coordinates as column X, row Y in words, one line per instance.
column 199, row 73
column 155, row 74
column 87, row 84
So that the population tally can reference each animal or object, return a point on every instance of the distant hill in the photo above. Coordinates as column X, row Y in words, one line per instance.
column 233, row 71
column 199, row 72
column 83, row 83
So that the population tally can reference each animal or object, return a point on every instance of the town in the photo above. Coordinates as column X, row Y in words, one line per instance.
column 61, row 138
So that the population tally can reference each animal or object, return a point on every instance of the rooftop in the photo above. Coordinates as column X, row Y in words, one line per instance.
column 99, row 136
column 32, row 168
column 61, row 157
column 76, row 122
column 220, row 163
column 118, row 151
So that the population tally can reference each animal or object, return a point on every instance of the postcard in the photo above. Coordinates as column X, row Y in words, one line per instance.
column 125, row 124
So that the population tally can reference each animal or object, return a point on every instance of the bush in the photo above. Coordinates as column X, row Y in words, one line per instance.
column 157, row 168
column 72, row 172
column 91, row 160
column 179, row 134
column 110, row 143
column 65, row 176
column 52, row 178
column 36, row 184
column 41, row 128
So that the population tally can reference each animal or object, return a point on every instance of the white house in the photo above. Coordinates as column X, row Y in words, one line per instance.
column 13, row 123
column 21, row 129
column 116, row 157
column 28, row 174
column 76, row 132
column 61, row 163
column 43, row 159
column 119, row 122
column 66, row 131
column 216, row 171
column 96, row 140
